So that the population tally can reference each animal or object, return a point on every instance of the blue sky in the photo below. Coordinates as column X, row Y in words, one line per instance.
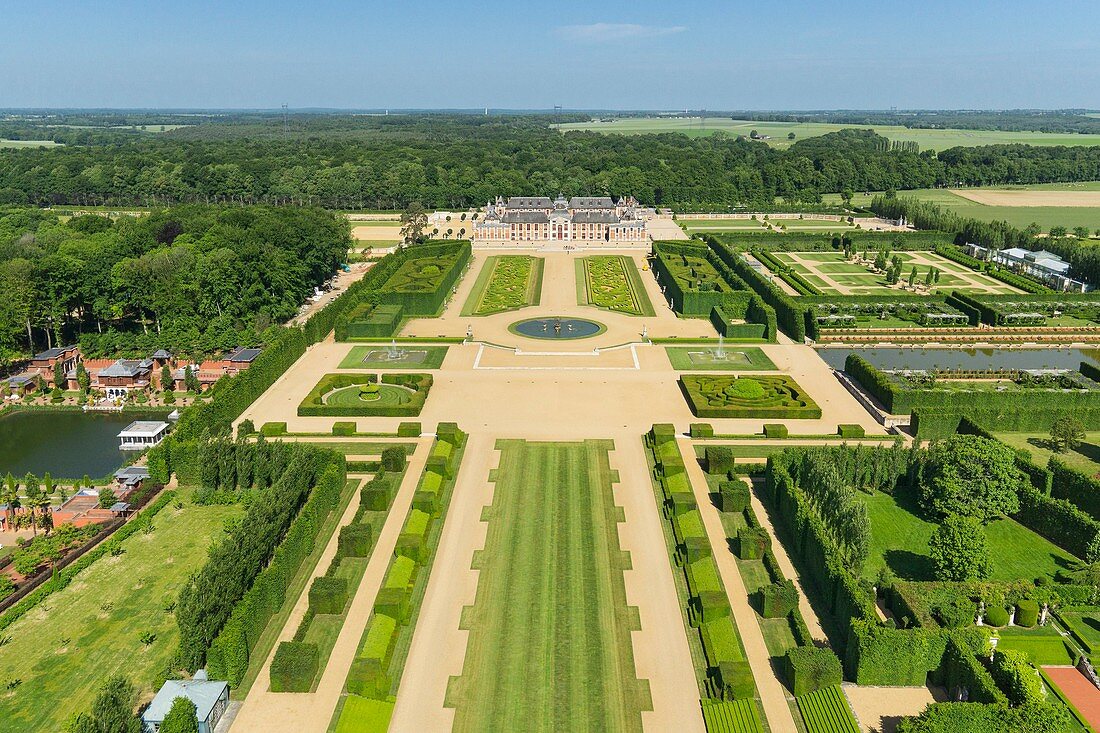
column 711, row 54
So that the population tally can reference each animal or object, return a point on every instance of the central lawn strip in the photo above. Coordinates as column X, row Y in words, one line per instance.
column 702, row 358
column 612, row 282
column 549, row 646
column 505, row 283
column 374, row 357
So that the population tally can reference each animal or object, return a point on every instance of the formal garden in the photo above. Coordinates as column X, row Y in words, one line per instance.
column 612, row 282
column 568, row 577
column 362, row 395
column 505, row 283
column 394, row 356
column 718, row 357
column 755, row 397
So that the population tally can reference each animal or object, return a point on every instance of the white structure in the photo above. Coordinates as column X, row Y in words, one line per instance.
column 580, row 219
column 142, row 434
column 210, row 699
column 1044, row 265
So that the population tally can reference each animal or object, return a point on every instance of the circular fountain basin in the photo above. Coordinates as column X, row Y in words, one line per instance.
column 556, row 328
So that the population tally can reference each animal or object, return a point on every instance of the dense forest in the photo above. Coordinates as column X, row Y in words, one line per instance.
column 455, row 161
column 193, row 279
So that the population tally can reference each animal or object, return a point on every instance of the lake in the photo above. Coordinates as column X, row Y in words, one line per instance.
column 66, row 443
column 944, row 358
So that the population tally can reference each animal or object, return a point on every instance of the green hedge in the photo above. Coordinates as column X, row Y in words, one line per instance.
column 810, row 668
column 343, row 428
column 369, row 673
column 1013, row 673
column 1027, row 613
column 377, row 494
column 1058, row 520
column 271, row 429
column 314, row 406
column 701, row 430
column 328, row 595
column 719, row 458
column 962, row 669
column 790, row 316
column 409, row 430
column 850, row 431
column 412, row 542
column 778, row 599
column 733, row 496
column 355, row 540
column 294, row 667
column 734, row 680
column 1076, row 487
column 775, row 430
column 368, row 321
column 425, row 298
column 971, row 717
column 752, row 543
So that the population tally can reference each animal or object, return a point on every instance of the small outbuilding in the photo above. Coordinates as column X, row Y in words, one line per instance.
column 211, row 698
column 142, row 434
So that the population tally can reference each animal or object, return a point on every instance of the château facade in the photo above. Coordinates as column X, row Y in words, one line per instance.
column 579, row 219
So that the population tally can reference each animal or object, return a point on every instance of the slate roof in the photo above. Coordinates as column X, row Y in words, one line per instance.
column 242, row 354
column 204, row 693
column 591, row 202
column 53, row 353
column 595, row 217
column 530, row 202
column 161, row 354
column 126, row 368
column 525, row 217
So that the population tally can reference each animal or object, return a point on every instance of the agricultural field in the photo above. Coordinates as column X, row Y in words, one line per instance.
column 899, row 540
column 709, row 357
column 116, row 616
column 505, row 283
column 550, row 642
column 763, row 397
column 832, row 274
column 777, row 132
column 1048, row 205
column 385, row 356
column 612, row 282
column 29, row 144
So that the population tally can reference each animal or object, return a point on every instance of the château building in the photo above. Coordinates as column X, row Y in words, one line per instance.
column 579, row 219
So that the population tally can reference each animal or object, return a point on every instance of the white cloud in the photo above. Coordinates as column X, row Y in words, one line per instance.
column 603, row 32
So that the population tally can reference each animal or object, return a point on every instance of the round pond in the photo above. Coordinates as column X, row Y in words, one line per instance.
column 557, row 328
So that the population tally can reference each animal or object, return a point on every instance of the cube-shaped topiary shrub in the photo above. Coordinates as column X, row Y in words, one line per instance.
column 1027, row 612
column 663, row 432
column 995, row 615
column 752, row 542
column 393, row 602
column 294, row 667
column 393, row 458
column 377, row 495
column 712, row 604
column 343, row 428
column 734, row 680
column 733, row 496
column 719, row 459
column 701, row 430
column 696, row 548
column 672, row 464
column 328, row 595
column 810, row 668
column 408, row 430
column 850, row 431
column 273, row 428
column 413, row 540
column 449, row 432
column 775, row 430
column 368, row 676
column 355, row 540
column 778, row 599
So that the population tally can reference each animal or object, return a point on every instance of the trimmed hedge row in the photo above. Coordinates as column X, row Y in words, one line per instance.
column 1076, row 487
column 252, row 568
column 426, row 302
column 313, row 405
column 294, row 667
column 368, row 321
column 811, row 668
column 789, row 315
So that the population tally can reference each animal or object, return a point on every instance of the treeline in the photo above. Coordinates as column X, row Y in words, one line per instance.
column 1083, row 257
column 193, row 279
column 455, row 161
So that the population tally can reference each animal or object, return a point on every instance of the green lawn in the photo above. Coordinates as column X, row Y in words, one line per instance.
column 899, row 539
column 505, row 283
column 549, row 646
column 375, row 357
column 1085, row 456
column 1043, row 644
column 1018, row 216
column 827, row 711
column 388, row 395
column 736, row 358
column 77, row 637
column 927, row 138
column 362, row 714
column 612, row 282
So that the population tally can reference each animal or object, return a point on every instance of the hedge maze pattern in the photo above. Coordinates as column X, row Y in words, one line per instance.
column 612, row 282
column 550, row 643
column 506, row 283
column 758, row 396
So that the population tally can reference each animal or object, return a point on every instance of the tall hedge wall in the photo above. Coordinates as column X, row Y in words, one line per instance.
column 789, row 314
